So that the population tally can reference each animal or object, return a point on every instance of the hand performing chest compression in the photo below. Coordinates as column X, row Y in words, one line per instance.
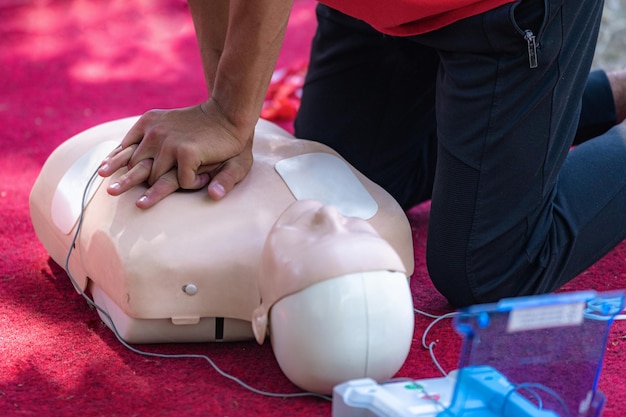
column 184, row 148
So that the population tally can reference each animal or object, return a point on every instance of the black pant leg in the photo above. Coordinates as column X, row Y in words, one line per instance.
column 371, row 98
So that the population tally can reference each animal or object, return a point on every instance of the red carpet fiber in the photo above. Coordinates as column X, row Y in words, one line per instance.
column 67, row 65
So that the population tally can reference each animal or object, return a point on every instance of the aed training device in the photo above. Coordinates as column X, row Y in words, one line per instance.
column 535, row 356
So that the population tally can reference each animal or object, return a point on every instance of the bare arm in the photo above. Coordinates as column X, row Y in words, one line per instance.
column 210, row 19
column 253, row 40
column 239, row 41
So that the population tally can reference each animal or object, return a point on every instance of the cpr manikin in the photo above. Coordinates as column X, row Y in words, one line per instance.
column 190, row 269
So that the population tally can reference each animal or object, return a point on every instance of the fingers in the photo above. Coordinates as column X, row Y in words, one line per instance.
column 225, row 180
column 135, row 176
column 180, row 148
column 161, row 186
column 230, row 173
column 151, row 147
column 146, row 138
column 163, row 163
column 131, row 151
column 155, row 136
column 165, row 185
column 117, row 159
column 136, row 132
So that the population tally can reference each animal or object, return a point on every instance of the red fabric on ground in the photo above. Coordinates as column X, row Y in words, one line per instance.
column 67, row 65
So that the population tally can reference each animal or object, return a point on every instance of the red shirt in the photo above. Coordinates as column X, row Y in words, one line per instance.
column 412, row 17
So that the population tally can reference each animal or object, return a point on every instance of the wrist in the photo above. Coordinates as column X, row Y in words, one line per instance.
column 240, row 113
column 239, row 127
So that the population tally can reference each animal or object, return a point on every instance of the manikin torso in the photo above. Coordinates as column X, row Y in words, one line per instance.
column 189, row 265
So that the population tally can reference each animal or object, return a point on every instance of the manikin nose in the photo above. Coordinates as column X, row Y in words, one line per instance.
column 330, row 217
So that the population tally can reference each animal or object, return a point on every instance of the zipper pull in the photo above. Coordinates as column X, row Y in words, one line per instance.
column 532, row 48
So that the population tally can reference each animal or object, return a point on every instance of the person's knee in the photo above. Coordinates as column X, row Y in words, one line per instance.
column 450, row 279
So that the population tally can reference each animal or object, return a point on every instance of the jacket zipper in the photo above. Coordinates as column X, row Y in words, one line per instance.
column 532, row 48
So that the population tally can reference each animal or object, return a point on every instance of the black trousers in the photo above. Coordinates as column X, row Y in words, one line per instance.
column 480, row 117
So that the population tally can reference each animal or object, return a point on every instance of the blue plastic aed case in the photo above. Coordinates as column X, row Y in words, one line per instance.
column 534, row 356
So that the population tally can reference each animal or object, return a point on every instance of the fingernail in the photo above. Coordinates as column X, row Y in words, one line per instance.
column 104, row 166
column 218, row 190
column 142, row 200
column 114, row 186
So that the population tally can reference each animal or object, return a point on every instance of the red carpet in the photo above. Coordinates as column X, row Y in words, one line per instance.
column 68, row 65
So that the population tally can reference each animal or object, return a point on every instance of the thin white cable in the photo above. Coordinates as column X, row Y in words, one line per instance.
column 432, row 345
column 423, row 313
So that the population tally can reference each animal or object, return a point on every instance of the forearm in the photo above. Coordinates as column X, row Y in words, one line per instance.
column 253, row 41
column 210, row 20
column 240, row 41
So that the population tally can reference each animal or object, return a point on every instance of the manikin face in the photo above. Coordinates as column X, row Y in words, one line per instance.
column 311, row 243
column 312, row 229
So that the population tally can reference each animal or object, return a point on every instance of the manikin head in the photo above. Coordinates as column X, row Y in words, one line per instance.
column 337, row 298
